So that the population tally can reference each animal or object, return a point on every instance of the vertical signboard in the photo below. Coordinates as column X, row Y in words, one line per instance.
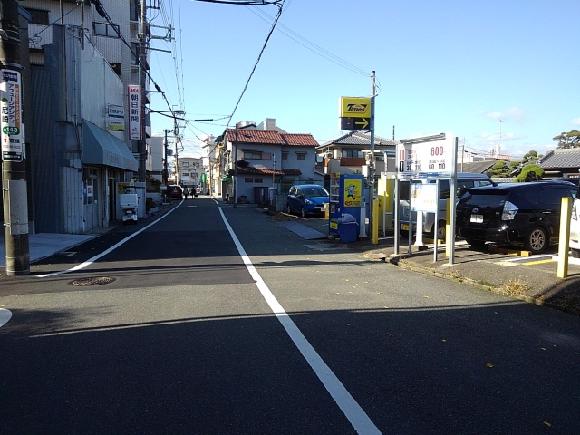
column 135, row 112
column 115, row 117
column 11, row 121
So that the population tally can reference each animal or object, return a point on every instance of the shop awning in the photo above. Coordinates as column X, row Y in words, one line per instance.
column 102, row 148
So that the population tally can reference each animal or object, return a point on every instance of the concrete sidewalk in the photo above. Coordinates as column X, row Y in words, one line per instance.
column 44, row 245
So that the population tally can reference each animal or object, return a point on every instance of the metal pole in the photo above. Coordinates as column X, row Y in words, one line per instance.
column 13, row 165
column 372, row 160
column 82, row 25
column 61, row 13
column 436, row 226
column 396, row 218
column 453, row 195
column 177, row 160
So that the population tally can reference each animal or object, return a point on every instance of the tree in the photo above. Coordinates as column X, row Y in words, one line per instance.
column 530, row 172
column 568, row 139
column 530, row 156
column 499, row 170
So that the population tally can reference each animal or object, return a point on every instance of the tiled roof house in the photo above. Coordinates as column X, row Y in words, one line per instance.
column 265, row 159
column 561, row 162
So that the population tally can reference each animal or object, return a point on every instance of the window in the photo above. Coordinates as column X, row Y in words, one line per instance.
column 185, row 174
column 351, row 153
column 284, row 155
column 248, row 179
column 116, row 68
column 300, row 155
column 185, row 164
column 252, row 155
column 258, row 180
column 38, row 16
column 105, row 29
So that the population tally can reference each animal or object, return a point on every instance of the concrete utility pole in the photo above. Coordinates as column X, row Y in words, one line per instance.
column 13, row 165
column 165, row 162
column 372, row 160
column 142, row 147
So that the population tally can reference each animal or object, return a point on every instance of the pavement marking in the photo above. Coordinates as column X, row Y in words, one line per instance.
column 5, row 316
column 112, row 248
column 350, row 408
column 534, row 263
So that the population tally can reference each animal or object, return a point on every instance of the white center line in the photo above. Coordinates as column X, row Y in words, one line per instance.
column 111, row 248
column 350, row 408
column 5, row 316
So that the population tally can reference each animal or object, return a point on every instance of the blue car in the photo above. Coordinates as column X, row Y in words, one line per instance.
column 306, row 199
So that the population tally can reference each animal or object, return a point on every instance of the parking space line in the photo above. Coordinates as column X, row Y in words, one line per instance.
column 359, row 419
column 535, row 263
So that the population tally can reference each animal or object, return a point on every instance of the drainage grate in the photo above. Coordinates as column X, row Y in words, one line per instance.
column 93, row 280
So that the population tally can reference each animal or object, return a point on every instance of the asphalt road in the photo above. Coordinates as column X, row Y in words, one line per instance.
column 184, row 340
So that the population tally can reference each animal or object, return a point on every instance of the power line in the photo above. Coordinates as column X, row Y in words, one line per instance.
column 280, row 8
column 312, row 46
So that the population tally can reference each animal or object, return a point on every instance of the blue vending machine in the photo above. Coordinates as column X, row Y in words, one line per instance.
column 345, row 214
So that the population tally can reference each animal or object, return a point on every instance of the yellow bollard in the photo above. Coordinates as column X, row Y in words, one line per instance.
column 448, row 228
column 375, row 222
column 564, row 242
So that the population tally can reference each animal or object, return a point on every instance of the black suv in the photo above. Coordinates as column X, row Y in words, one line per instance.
column 513, row 214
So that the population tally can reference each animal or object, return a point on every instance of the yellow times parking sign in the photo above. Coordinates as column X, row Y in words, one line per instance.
column 355, row 107
column 352, row 195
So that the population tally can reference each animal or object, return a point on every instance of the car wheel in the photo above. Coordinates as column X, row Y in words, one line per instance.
column 476, row 244
column 302, row 212
column 575, row 252
column 288, row 209
column 537, row 241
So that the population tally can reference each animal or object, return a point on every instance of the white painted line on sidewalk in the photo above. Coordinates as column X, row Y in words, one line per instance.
column 110, row 249
column 351, row 409
column 5, row 316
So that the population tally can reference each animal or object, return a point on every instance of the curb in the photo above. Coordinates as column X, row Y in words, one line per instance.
column 533, row 300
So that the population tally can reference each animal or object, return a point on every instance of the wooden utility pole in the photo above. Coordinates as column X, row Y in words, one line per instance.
column 12, row 135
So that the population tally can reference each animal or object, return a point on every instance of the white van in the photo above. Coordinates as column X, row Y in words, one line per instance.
column 465, row 180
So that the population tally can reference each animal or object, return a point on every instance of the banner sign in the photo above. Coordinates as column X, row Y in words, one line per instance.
column 11, row 121
column 424, row 197
column 135, row 112
column 115, row 117
column 428, row 157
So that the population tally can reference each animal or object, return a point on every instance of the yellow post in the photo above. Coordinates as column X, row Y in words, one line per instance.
column 564, row 242
column 375, row 222
column 448, row 227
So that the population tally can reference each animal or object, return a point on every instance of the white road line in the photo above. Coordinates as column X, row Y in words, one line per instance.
column 351, row 409
column 5, row 316
column 110, row 249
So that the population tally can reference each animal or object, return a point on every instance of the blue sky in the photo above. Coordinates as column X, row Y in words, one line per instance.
column 449, row 65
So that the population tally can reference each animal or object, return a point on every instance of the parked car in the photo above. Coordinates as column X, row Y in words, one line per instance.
column 465, row 180
column 306, row 199
column 513, row 214
column 174, row 191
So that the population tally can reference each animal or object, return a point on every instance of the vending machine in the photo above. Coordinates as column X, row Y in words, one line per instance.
column 345, row 213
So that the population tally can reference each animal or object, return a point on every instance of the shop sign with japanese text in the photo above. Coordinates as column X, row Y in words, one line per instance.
column 11, row 112
column 431, row 157
column 135, row 112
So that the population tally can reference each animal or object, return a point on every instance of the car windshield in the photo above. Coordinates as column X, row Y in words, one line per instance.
column 314, row 191
column 488, row 198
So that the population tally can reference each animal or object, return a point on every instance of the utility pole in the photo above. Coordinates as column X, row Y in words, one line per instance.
column 13, row 164
column 372, row 160
column 177, row 160
column 142, row 147
column 165, row 162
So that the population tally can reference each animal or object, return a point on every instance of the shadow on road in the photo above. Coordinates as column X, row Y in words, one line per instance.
column 451, row 369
